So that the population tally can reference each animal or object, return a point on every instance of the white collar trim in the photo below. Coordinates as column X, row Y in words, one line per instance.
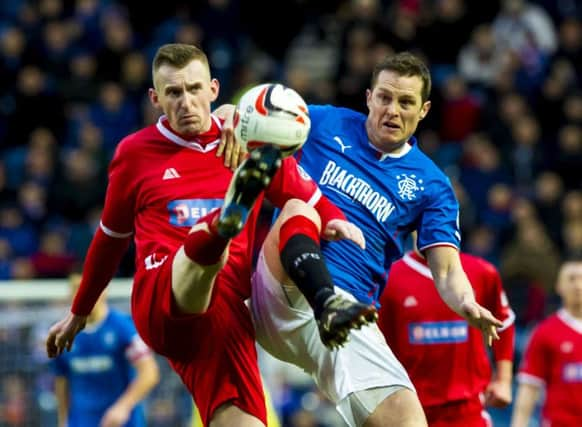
column 404, row 151
column 417, row 266
column 188, row 144
column 570, row 320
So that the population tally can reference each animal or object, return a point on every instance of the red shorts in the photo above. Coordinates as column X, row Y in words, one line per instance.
column 463, row 413
column 213, row 353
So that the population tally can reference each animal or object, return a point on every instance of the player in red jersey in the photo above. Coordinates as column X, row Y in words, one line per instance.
column 553, row 359
column 446, row 359
column 167, row 189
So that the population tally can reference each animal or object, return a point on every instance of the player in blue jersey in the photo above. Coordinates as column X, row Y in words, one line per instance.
column 373, row 170
column 102, row 381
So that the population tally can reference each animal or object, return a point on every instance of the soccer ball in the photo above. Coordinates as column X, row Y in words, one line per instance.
column 273, row 114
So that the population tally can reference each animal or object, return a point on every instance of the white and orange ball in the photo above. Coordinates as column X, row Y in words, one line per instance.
column 272, row 113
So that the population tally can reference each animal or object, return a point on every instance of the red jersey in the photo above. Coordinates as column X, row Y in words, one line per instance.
column 553, row 359
column 159, row 186
column 446, row 359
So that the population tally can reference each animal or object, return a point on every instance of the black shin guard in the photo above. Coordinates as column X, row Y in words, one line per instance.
column 302, row 260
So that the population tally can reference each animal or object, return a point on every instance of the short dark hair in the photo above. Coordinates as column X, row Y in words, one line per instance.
column 573, row 256
column 405, row 64
column 178, row 55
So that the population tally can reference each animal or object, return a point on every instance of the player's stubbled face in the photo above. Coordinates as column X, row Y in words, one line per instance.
column 395, row 108
column 185, row 95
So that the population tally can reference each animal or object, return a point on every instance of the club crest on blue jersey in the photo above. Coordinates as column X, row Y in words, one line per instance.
column 185, row 213
column 408, row 186
column 572, row 372
column 448, row 332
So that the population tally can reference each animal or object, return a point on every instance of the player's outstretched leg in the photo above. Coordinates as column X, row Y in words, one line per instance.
column 339, row 316
column 296, row 237
column 251, row 177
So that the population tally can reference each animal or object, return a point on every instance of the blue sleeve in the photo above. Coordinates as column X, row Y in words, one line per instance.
column 439, row 222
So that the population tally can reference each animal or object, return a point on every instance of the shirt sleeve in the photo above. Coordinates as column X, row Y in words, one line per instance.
column 292, row 182
column 503, row 347
column 439, row 222
column 120, row 200
column 135, row 348
column 534, row 366
column 112, row 238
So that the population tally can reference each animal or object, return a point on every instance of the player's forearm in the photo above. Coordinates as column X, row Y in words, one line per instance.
column 449, row 277
column 146, row 379
column 103, row 259
column 527, row 396
column 498, row 392
column 504, row 370
column 454, row 288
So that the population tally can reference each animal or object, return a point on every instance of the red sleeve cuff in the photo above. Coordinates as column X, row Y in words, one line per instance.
column 327, row 211
column 504, row 346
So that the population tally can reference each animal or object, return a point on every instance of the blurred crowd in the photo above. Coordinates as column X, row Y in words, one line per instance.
column 505, row 124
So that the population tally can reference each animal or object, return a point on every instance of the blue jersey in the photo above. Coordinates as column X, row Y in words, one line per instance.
column 386, row 196
column 98, row 369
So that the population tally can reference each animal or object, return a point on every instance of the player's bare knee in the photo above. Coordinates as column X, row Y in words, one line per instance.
column 399, row 409
column 389, row 406
column 192, row 284
column 295, row 207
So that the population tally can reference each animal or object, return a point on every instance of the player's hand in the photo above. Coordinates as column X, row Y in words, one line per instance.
column 337, row 229
column 229, row 146
column 116, row 416
column 62, row 334
column 481, row 318
column 498, row 394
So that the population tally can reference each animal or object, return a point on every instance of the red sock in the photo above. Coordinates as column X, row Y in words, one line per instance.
column 203, row 247
column 297, row 224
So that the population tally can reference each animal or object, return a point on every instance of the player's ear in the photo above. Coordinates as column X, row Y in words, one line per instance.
column 368, row 97
column 424, row 109
column 153, row 95
column 215, row 89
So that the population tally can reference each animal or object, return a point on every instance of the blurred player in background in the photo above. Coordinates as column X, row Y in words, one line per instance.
column 372, row 168
column 552, row 360
column 109, row 371
column 447, row 360
column 168, row 186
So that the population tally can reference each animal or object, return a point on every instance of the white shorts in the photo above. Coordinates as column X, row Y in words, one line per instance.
column 286, row 328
